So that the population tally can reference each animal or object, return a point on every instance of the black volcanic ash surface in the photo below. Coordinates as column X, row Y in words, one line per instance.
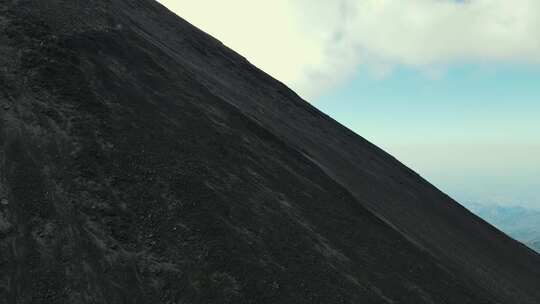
column 142, row 161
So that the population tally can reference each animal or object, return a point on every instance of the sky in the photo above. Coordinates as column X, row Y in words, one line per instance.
column 448, row 87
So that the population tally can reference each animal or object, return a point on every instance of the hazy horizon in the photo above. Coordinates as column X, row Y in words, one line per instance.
column 447, row 87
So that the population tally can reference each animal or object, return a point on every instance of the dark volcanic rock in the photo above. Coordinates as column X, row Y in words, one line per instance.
column 144, row 162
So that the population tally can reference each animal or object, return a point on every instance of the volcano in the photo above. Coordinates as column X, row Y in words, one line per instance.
column 142, row 161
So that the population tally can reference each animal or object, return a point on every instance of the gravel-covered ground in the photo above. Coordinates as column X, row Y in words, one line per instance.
column 141, row 161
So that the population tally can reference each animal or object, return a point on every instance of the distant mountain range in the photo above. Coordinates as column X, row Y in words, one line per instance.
column 535, row 244
column 518, row 222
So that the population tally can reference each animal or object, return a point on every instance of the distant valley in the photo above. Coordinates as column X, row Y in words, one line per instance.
column 518, row 222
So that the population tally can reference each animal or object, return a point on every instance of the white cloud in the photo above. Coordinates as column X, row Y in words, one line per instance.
column 314, row 45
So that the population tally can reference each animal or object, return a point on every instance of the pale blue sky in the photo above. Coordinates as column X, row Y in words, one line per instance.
column 451, row 88
column 474, row 130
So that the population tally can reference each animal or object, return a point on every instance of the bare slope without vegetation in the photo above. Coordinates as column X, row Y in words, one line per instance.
column 142, row 161
column 520, row 223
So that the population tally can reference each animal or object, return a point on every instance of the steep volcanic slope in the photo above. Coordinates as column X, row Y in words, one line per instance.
column 520, row 223
column 144, row 162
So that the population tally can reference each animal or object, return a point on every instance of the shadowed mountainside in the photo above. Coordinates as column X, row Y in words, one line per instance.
column 144, row 162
